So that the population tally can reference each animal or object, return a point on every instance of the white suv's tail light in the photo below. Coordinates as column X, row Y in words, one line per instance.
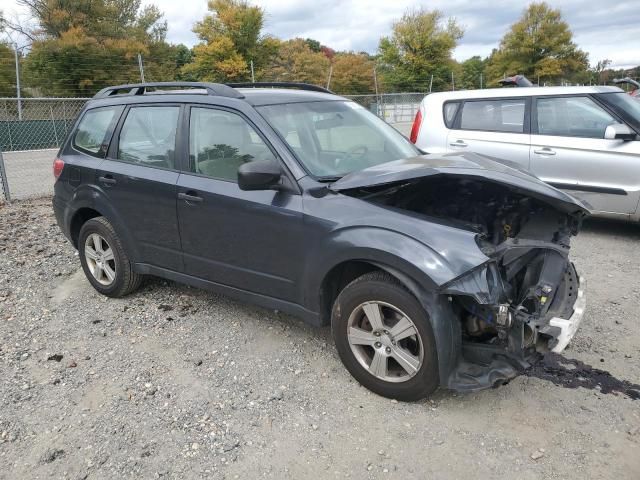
column 416, row 127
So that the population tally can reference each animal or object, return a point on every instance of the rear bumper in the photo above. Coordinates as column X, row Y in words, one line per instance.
column 59, row 210
column 569, row 326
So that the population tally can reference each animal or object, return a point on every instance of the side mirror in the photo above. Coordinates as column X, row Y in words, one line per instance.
column 259, row 175
column 619, row 131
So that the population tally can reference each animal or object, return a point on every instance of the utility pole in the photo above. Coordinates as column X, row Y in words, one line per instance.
column 453, row 84
column 3, row 179
column 480, row 81
column 253, row 77
column 141, row 68
column 431, row 83
column 329, row 79
column 375, row 81
column 15, row 45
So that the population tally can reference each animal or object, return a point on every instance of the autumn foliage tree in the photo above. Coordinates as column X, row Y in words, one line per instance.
column 352, row 73
column 421, row 44
column 230, row 38
column 295, row 61
column 539, row 45
column 79, row 47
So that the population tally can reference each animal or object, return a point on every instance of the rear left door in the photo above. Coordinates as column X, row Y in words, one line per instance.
column 139, row 179
column 498, row 127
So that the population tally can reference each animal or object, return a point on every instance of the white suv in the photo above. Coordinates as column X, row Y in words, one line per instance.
column 580, row 139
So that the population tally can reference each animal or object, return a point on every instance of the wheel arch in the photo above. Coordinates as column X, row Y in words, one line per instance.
column 444, row 322
column 79, row 218
column 89, row 203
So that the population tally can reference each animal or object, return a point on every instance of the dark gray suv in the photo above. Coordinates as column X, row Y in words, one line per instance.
column 448, row 270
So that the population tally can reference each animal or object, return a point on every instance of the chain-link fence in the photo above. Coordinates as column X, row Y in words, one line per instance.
column 36, row 123
column 32, row 129
column 392, row 107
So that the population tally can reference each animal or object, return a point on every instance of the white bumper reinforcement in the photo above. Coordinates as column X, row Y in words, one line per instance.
column 569, row 326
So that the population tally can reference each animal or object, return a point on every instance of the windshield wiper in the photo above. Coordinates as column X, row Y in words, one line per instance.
column 329, row 178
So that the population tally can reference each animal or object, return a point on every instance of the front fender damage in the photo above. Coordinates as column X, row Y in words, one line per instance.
column 526, row 298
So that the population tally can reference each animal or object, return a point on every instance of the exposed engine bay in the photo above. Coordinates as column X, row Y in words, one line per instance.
column 513, row 305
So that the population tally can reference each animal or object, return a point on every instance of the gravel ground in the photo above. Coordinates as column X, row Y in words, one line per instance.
column 173, row 382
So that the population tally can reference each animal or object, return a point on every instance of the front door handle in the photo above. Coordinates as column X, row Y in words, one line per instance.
column 544, row 151
column 107, row 180
column 458, row 143
column 189, row 197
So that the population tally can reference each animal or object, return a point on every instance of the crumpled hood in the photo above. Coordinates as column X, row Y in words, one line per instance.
column 465, row 164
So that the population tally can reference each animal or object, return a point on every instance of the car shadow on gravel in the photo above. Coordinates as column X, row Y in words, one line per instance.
column 601, row 226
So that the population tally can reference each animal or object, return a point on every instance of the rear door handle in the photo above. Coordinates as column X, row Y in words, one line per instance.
column 107, row 180
column 458, row 143
column 189, row 197
column 544, row 151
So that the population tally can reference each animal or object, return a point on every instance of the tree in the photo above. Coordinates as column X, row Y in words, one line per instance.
column 7, row 71
column 7, row 68
column 352, row 73
column 230, row 39
column 81, row 46
column 314, row 45
column 296, row 62
column 469, row 72
column 420, row 45
column 601, row 71
column 539, row 45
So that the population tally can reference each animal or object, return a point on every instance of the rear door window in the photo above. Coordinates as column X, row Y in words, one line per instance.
column 94, row 130
column 572, row 117
column 148, row 136
column 503, row 115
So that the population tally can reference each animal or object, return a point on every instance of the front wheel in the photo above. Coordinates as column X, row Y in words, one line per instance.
column 104, row 259
column 384, row 338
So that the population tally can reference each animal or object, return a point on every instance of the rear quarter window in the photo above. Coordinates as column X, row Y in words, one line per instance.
column 94, row 130
column 449, row 113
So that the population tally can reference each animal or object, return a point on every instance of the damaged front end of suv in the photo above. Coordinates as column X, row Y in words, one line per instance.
column 527, row 296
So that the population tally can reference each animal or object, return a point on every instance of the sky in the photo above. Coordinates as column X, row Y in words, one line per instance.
column 603, row 29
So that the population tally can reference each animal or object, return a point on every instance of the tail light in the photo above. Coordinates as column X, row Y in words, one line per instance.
column 58, row 165
column 416, row 127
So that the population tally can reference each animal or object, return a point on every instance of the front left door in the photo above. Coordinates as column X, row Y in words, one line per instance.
column 569, row 151
column 250, row 240
column 139, row 178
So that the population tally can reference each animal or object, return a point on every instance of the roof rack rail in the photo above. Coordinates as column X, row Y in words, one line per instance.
column 299, row 86
column 218, row 89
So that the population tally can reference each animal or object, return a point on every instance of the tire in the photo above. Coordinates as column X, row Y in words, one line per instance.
column 114, row 259
column 359, row 301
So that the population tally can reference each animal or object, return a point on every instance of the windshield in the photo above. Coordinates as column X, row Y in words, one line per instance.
column 334, row 138
column 627, row 106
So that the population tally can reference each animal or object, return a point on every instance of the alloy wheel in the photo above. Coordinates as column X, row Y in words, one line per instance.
column 385, row 341
column 100, row 259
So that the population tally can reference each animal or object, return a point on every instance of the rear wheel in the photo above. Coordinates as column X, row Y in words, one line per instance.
column 104, row 259
column 384, row 338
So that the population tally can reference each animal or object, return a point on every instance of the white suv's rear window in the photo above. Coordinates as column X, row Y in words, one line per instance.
column 493, row 115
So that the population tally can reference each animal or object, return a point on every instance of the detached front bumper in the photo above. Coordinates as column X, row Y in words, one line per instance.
column 569, row 326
